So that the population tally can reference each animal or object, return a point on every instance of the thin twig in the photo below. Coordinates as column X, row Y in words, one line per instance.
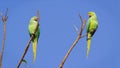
column 25, row 51
column 0, row 14
column 38, row 13
column 81, row 18
column 76, row 29
column 28, row 44
column 74, row 43
column 4, row 19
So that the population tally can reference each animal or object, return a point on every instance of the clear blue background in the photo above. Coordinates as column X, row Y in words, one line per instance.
column 57, row 33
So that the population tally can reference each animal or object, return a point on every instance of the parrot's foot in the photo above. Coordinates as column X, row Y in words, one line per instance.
column 33, row 34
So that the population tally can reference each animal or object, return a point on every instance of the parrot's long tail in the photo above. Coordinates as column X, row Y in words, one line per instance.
column 88, row 44
column 34, row 49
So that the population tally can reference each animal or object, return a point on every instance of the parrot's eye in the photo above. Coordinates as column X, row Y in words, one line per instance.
column 36, row 19
column 89, row 15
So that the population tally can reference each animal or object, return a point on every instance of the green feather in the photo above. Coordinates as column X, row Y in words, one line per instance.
column 92, row 26
column 31, row 28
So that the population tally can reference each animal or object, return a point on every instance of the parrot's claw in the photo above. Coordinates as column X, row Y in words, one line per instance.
column 33, row 34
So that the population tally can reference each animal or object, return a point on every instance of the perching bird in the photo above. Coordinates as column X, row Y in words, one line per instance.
column 31, row 28
column 92, row 26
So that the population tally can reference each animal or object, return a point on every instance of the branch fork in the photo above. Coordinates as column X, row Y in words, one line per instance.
column 75, row 42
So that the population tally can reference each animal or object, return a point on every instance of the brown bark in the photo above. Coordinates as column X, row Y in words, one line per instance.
column 74, row 43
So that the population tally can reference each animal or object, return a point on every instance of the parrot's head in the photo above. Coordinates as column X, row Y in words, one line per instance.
column 90, row 14
column 34, row 18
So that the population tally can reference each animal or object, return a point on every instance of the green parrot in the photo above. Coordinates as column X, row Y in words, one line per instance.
column 31, row 28
column 92, row 26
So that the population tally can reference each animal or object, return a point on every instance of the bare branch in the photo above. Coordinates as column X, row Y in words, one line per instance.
column 76, row 29
column 74, row 43
column 25, row 51
column 0, row 14
column 6, row 12
column 81, row 18
column 4, row 19
column 28, row 44
column 38, row 14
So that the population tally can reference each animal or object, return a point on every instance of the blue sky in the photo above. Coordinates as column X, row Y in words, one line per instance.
column 57, row 33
